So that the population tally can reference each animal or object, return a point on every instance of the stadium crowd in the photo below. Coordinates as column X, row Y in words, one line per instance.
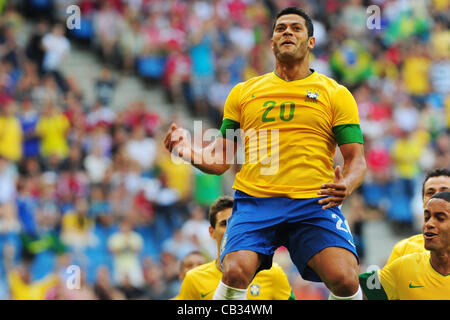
column 87, row 185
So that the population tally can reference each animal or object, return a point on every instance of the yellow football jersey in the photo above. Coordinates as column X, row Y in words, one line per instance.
column 36, row 290
column 201, row 282
column 411, row 277
column 407, row 246
column 290, row 130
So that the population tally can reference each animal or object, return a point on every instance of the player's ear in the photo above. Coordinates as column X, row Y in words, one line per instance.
column 211, row 232
column 311, row 43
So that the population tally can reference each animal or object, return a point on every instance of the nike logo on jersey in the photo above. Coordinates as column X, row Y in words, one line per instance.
column 412, row 286
column 205, row 294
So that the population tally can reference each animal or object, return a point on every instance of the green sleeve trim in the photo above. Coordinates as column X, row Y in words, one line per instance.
column 348, row 133
column 292, row 296
column 228, row 124
column 372, row 292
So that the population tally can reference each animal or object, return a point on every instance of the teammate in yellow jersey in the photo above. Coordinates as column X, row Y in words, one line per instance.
column 287, row 193
column 190, row 261
column 421, row 275
column 200, row 282
column 435, row 181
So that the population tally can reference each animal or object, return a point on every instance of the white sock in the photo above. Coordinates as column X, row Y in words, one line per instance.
column 357, row 296
column 224, row 292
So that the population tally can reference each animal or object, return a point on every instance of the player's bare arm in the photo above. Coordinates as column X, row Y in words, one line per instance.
column 349, row 179
column 176, row 141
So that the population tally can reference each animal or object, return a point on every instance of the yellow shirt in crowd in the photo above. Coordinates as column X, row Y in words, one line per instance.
column 36, row 290
column 10, row 138
column 52, row 131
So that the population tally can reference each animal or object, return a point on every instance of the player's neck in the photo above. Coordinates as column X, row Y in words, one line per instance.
column 218, row 261
column 292, row 71
column 441, row 261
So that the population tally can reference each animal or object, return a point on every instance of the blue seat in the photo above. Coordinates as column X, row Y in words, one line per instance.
column 86, row 30
column 43, row 264
column 151, row 66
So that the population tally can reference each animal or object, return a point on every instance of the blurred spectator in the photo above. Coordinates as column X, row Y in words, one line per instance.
column 23, row 287
column 406, row 154
column 34, row 50
column 103, row 288
column 219, row 93
column 141, row 148
column 107, row 25
column 8, row 214
column 130, row 291
column 416, row 66
column 177, row 76
column 29, row 118
column 62, row 291
column 105, row 86
column 196, row 230
column 100, row 115
column 77, row 229
column 177, row 246
column 155, row 287
column 442, row 150
column 170, row 267
column 45, row 92
column 56, row 47
column 52, row 128
column 11, row 134
column 125, row 246
column 100, row 209
column 97, row 165
column 131, row 44
column 202, row 57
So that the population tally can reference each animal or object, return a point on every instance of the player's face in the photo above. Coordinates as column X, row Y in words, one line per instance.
column 221, row 224
column 190, row 262
column 436, row 226
column 435, row 185
column 290, row 41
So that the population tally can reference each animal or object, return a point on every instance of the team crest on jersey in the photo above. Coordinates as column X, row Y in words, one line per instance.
column 312, row 95
column 255, row 289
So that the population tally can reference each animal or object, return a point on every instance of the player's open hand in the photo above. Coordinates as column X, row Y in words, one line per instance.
column 336, row 191
column 177, row 141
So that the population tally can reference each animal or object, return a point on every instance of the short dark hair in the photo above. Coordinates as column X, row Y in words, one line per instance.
column 222, row 203
column 191, row 253
column 444, row 195
column 297, row 11
column 435, row 173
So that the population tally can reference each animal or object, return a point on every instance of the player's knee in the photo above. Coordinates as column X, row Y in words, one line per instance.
column 236, row 275
column 343, row 282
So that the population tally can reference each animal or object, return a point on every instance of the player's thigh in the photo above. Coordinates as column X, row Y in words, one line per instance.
column 241, row 264
column 309, row 241
column 335, row 265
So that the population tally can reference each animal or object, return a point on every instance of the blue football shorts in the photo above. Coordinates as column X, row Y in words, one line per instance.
column 262, row 224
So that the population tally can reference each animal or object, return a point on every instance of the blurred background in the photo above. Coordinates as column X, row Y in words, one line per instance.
column 84, row 178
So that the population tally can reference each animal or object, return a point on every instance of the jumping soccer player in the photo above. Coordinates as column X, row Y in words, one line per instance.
column 421, row 275
column 294, row 201
column 201, row 282
column 435, row 181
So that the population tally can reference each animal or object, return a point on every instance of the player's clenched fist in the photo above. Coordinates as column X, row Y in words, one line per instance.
column 177, row 141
